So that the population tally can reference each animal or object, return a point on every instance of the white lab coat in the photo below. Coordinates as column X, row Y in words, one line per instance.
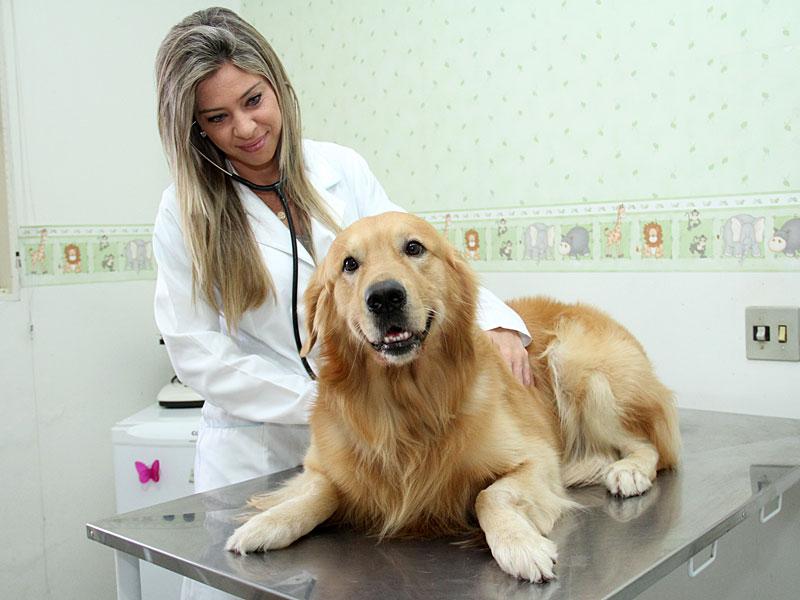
column 257, row 392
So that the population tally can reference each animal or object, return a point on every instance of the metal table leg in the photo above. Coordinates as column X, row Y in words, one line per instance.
column 129, row 585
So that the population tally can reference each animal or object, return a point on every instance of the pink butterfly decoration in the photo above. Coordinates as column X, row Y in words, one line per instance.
column 147, row 473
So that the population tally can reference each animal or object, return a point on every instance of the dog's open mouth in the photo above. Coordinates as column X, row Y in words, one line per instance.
column 398, row 341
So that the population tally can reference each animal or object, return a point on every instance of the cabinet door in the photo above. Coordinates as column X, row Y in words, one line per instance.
column 776, row 556
column 754, row 560
column 175, row 475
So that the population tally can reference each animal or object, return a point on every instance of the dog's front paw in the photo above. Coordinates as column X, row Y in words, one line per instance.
column 626, row 480
column 524, row 554
column 264, row 531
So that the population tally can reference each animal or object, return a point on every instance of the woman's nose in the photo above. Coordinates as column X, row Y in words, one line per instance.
column 244, row 127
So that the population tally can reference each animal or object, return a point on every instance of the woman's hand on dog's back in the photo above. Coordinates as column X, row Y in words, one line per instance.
column 513, row 352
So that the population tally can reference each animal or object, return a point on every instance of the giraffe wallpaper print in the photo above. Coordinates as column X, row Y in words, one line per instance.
column 557, row 135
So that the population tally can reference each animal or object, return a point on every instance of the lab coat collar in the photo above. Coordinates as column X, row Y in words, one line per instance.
column 324, row 178
column 318, row 169
column 267, row 227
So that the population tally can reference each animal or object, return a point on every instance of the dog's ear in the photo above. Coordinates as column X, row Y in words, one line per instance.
column 463, row 272
column 464, row 279
column 317, row 298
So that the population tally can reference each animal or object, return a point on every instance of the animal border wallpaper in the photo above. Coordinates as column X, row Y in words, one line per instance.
column 561, row 135
column 54, row 255
column 721, row 234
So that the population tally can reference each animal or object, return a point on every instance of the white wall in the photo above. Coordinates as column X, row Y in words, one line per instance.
column 696, row 345
column 22, row 567
column 83, row 149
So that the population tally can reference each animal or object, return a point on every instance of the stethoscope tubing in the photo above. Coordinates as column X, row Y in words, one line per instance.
column 277, row 187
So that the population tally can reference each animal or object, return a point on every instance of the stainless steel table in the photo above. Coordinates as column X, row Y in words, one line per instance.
column 734, row 468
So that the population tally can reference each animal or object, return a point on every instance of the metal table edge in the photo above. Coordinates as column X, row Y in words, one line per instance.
column 169, row 561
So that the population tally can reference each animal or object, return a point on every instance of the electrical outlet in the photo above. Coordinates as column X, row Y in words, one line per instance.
column 772, row 332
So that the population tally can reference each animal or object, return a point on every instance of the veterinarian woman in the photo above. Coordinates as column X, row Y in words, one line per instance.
column 223, row 295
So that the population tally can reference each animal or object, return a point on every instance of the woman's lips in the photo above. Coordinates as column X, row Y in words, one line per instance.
column 255, row 146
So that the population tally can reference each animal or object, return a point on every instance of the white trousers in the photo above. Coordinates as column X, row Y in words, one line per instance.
column 231, row 450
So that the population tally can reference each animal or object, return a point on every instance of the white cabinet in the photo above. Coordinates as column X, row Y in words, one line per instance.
column 166, row 435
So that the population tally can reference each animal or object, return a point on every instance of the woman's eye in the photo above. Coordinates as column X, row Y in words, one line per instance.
column 216, row 119
column 254, row 101
column 350, row 264
column 414, row 248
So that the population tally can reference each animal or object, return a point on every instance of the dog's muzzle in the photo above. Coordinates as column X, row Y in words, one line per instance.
column 387, row 302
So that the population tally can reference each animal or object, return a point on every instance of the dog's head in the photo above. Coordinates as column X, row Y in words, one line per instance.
column 389, row 285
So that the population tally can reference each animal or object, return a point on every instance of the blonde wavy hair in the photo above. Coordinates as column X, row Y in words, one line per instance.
column 226, row 264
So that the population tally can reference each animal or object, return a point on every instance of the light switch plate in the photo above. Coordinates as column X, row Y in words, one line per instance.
column 773, row 317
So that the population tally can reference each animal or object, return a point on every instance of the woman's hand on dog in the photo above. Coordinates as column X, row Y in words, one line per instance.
column 513, row 352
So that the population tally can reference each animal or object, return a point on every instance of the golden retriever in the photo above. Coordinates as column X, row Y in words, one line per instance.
column 421, row 429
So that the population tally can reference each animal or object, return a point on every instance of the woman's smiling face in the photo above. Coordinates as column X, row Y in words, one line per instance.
column 239, row 112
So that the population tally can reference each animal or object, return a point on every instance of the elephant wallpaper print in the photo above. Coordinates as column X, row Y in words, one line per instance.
column 742, row 235
column 539, row 241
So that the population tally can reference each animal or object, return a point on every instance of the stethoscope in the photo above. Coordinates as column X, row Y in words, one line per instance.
column 276, row 187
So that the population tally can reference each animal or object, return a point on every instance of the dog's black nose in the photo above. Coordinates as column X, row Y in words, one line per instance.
column 385, row 297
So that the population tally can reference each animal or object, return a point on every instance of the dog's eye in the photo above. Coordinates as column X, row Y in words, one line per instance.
column 414, row 248
column 350, row 264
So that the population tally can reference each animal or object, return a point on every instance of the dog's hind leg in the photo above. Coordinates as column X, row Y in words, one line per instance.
column 633, row 473
column 608, row 433
column 599, row 447
column 518, row 510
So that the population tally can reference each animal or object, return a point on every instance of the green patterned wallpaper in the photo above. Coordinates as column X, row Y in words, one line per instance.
column 549, row 115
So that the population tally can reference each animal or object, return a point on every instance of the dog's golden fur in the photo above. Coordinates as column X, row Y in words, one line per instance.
column 431, row 438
